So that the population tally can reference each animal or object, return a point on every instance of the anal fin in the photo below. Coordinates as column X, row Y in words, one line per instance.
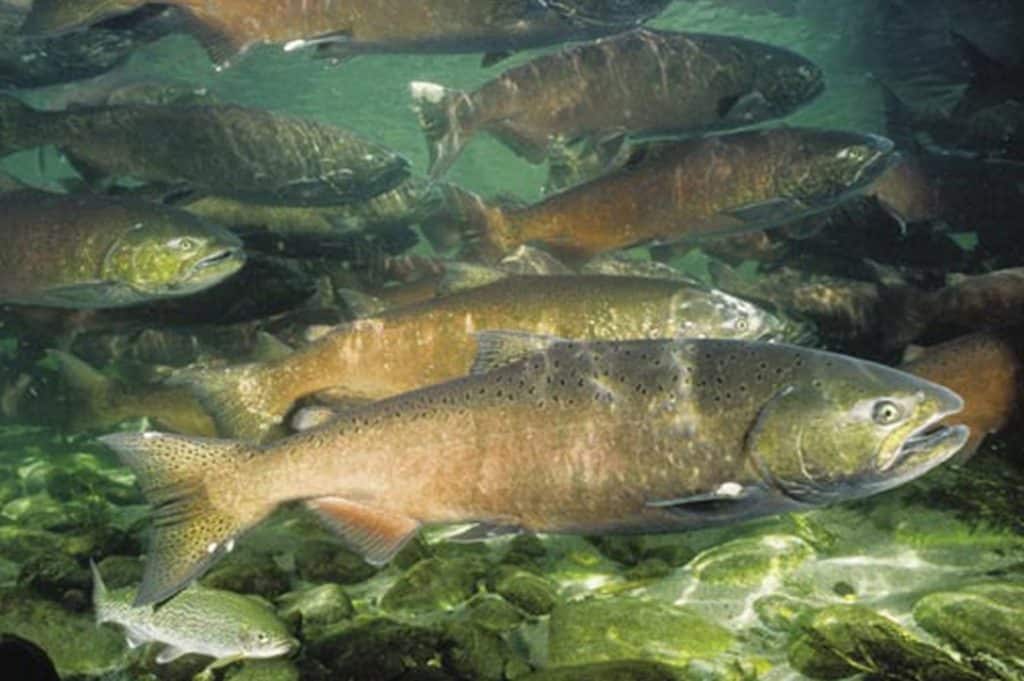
column 376, row 535
column 485, row 531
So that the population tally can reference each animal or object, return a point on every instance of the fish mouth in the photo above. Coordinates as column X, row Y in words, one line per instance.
column 226, row 256
column 929, row 445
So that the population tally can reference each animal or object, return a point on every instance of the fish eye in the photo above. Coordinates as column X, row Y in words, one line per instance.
column 886, row 413
column 262, row 638
column 742, row 324
column 182, row 243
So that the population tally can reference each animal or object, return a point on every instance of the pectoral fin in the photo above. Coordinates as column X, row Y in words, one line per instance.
column 767, row 213
column 744, row 110
column 727, row 499
column 169, row 654
column 376, row 535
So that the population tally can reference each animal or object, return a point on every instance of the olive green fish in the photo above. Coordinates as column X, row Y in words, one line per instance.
column 87, row 251
column 231, row 151
column 343, row 29
column 642, row 81
column 411, row 347
column 587, row 438
column 686, row 190
column 219, row 624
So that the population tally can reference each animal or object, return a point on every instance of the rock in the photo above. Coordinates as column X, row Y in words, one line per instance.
column 627, row 628
column 376, row 649
column 532, row 593
column 53, row 575
column 649, row 569
column 749, row 561
column 627, row 550
column 121, row 571
column 264, row 670
column 525, row 550
column 313, row 610
column 38, row 512
column 607, row 671
column 324, row 561
column 73, row 641
column 435, row 584
column 493, row 613
column 247, row 573
column 780, row 612
column 21, row 543
column 844, row 640
column 981, row 620
column 474, row 653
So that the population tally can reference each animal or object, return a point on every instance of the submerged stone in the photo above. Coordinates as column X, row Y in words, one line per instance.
column 377, row 649
column 435, row 584
column 748, row 561
column 532, row 593
column 627, row 628
column 38, row 511
column 73, row 641
column 249, row 574
column 264, row 670
column 325, row 561
column 313, row 610
column 607, row 671
column 844, row 640
column 493, row 613
column 780, row 612
column 982, row 620
column 474, row 653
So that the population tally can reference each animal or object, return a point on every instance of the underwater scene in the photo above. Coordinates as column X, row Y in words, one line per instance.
column 511, row 340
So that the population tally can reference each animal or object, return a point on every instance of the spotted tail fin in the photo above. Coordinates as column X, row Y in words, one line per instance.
column 191, row 485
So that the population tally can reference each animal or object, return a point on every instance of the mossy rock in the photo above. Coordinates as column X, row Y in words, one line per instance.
column 525, row 550
column 54, row 575
column 376, row 649
column 627, row 628
column 780, row 612
column 493, row 613
column 38, row 512
column 249, row 574
column 532, row 593
column 472, row 652
column 121, row 572
column 607, row 671
column 263, row 670
column 985, row 620
column 313, row 610
column 19, row 544
column 844, row 640
column 324, row 561
column 73, row 641
column 435, row 584
column 749, row 561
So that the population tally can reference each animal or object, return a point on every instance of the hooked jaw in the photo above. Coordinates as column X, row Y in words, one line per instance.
column 932, row 444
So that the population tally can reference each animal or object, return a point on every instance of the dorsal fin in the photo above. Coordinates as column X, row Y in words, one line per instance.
column 496, row 349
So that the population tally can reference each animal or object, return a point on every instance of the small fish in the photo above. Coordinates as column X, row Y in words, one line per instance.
column 408, row 348
column 985, row 369
column 232, row 151
column 100, row 402
column 695, row 188
column 219, row 624
column 643, row 81
column 343, row 29
column 87, row 251
column 563, row 437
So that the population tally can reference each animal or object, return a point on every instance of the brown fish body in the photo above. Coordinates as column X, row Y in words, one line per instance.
column 232, row 151
column 707, row 186
column 985, row 370
column 426, row 343
column 366, row 26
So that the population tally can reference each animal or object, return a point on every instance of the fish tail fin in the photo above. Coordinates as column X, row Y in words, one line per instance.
column 243, row 400
column 197, row 512
column 442, row 118
column 59, row 16
column 15, row 133
column 100, row 598
column 481, row 227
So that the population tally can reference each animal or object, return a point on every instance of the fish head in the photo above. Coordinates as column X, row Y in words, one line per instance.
column 716, row 314
column 839, row 428
column 822, row 167
column 172, row 254
column 265, row 639
column 783, row 82
column 607, row 12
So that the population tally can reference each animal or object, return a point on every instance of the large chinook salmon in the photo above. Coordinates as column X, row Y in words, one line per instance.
column 643, row 81
column 415, row 346
column 689, row 189
column 231, row 151
column 342, row 29
column 642, row 436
